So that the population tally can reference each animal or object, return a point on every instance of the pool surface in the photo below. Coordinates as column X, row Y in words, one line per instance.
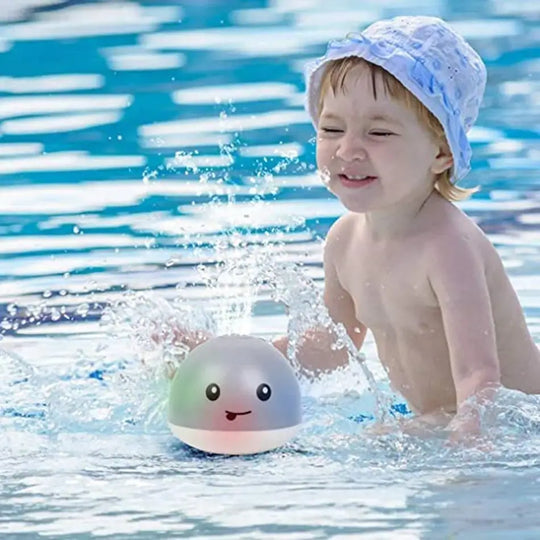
column 156, row 163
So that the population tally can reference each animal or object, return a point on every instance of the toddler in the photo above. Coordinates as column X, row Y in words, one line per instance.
column 391, row 107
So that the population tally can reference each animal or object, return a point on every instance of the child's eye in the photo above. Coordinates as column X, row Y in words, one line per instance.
column 331, row 130
column 381, row 133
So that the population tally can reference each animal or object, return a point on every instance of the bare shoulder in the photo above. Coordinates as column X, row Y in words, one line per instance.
column 341, row 231
column 453, row 234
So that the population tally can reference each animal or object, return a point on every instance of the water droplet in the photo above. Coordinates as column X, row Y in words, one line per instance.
column 5, row 325
column 83, row 309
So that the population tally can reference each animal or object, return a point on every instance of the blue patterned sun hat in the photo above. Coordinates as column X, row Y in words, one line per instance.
column 429, row 59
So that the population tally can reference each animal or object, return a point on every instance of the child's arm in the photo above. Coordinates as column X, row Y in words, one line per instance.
column 458, row 277
column 339, row 302
column 317, row 351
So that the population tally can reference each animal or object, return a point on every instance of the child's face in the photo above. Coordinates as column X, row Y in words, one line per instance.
column 359, row 136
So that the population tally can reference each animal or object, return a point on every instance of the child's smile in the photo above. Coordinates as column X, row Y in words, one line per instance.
column 356, row 181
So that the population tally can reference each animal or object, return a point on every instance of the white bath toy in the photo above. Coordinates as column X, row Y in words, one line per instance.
column 234, row 395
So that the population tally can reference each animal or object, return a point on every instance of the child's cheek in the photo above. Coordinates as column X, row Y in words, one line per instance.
column 320, row 153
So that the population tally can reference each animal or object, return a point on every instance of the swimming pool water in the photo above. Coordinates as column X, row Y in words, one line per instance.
column 142, row 144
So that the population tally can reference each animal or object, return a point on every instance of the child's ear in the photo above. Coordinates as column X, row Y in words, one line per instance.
column 442, row 161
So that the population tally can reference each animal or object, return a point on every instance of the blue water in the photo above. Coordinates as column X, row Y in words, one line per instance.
column 141, row 145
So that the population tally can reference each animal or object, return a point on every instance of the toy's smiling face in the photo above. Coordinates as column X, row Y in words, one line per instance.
column 234, row 383
column 263, row 392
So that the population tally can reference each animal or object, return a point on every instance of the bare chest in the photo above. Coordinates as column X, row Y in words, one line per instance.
column 389, row 287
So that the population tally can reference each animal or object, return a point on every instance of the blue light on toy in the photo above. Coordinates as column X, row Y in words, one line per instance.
column 234, row 395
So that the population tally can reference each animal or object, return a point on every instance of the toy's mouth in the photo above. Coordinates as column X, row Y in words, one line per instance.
column 232, row 415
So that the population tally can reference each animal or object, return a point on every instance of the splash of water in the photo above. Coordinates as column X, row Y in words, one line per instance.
column 239, row 276
column 242, row 274
column 307, row 312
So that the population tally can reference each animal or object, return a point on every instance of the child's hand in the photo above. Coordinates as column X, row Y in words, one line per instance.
column 180, row 336
column 467, row 432
column 379, row 429
column 464, row 427
column 466, row 440
column 182, row 341
column 462, row 437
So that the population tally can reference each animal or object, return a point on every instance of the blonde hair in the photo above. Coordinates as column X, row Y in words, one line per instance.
column 334, row 76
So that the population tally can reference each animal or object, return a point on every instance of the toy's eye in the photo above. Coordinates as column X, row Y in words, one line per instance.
column 212, row 391
column 264, row 392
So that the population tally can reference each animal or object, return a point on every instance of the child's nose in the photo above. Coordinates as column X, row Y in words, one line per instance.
column 351, row 148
